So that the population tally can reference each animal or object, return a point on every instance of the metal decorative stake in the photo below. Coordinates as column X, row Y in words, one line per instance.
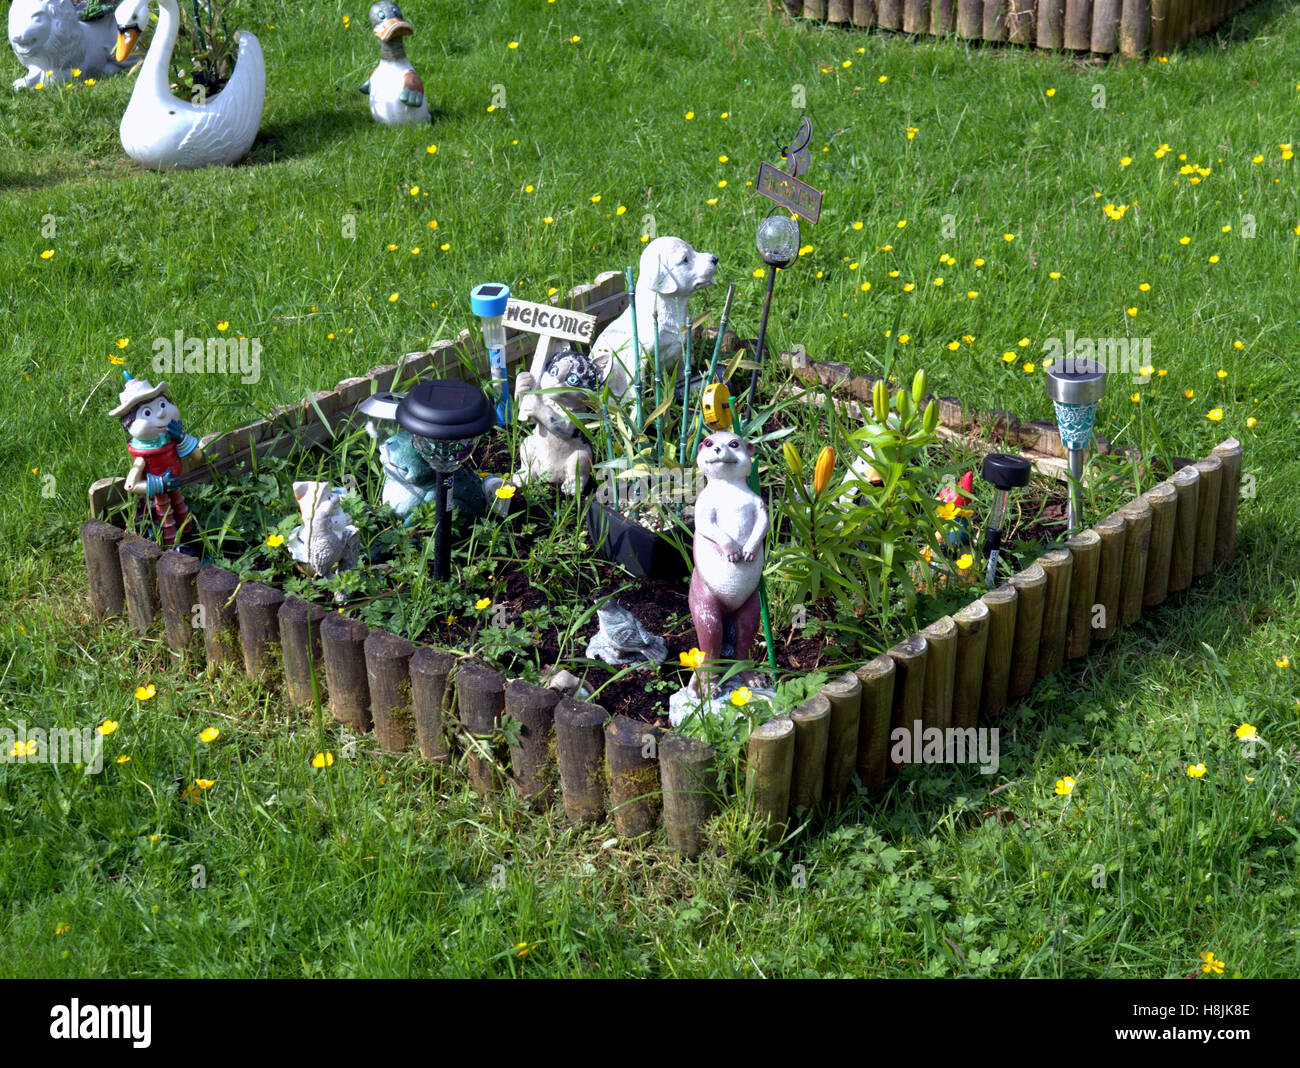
column 1075, row 387
column 445, row 419
column 1004, row 473
column 488, row 302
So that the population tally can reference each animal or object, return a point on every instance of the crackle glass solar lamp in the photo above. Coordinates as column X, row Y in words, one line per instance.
column 380, row 411
column 778, row 243
column 1075, row 387
column 445, row 419
column 1004, row 473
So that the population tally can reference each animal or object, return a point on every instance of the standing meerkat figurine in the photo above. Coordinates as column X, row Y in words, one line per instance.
column 157, row 445
column 730, row 525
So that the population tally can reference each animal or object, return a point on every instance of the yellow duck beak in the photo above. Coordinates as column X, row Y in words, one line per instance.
column 390, row 28
column 126, row 40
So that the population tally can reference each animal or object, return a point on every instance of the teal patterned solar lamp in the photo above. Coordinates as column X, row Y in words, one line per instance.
column 1075, row 387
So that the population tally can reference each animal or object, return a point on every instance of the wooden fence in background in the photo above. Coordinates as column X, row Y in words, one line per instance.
column 1130, row 27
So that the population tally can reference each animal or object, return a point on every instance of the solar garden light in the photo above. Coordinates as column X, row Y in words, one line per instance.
column 1004, row 473
column 380, row 410
column 778, row 244
column 488, row 301
column 445, row 419
column 1075, row 386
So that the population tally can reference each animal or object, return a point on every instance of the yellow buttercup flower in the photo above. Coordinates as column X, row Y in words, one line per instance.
column 506, row 491
column 1145, row 287
column 124, row 759
column 1196, row 771
column 1283, row 662
column 1049, row 92
column 209, row 734
column 1211, row 963
column 1028, row 368
column 107, row 727
column 1065, row 786
column 276, row 540
column 47, row 254
column 741, row 696
column 146, row 693
column 693, row 659
column 63, row 928
column 1189, row 393
column 205, row 784
column 23, row 749
column 482, row 603
column 1247, row 730
column 946, row 511
column 964, row 561
column 1221, row 373
column 1251, row 423
column 1214, row 415
column 1008, row 357
column 322, row 760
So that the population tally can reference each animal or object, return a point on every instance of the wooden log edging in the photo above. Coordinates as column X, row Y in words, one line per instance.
column 1129, row 28
column 965, row 666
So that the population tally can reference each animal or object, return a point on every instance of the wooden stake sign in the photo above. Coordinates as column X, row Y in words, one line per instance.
column 549, row 323
column 786, row 189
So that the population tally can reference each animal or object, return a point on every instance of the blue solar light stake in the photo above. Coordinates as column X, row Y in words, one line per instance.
column 488, row 302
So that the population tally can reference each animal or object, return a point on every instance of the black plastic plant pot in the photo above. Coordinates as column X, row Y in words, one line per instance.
column 644, row 553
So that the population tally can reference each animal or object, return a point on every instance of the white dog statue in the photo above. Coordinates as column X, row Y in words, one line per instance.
column 49, row 39
column 671, row 270
column 555, row 451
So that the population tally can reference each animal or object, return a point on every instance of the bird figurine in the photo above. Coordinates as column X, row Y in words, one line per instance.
column 955, row 500
column 163, row 132
column 395, row 90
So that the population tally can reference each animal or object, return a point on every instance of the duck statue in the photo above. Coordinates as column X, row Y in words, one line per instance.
column 395, row 90
column 163, row 132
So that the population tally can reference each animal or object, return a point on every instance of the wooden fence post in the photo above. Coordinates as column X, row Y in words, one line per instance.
column 1112, row 532
column 1031, row 590
column 1059, row 567
column 1085, row 551
column 632, row 756
column 216, row 588
column 845, row 698
column 689, row 779
column 768, row 772
column 300, row 644
column 481, row 699
column 343, row 642
column 99, row 542
column 877, row 678
column 259, row 628
column 177, row 576
column 909, row 658
column 1137, row 545
column 940, row 673
column 431, row 692
column 968, row 677
column 389, row 680
column 812, row 728
column 1207, row 518
column 1164, row 509
column 1002, row 603
column 532, row 707
column 139, row 557
column 1225, row 536
column 1187, row 486
column 580, row 742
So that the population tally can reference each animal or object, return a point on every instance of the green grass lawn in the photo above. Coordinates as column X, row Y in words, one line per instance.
column 607, row 114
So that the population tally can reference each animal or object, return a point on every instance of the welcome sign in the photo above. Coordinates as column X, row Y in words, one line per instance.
column 548, row 319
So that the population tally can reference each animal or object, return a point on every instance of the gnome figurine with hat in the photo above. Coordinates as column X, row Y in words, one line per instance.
column 157, row 444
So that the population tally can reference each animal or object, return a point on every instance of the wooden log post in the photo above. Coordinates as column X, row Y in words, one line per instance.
column 177, row 577
column 877, row 678
column 687, row 770
column 389, row 678
column 1137, row 545
column 940, row 673
column 259, row 626
column 970, row 19
column 431, row 692
column 941, row 18
column 1085, row 552
column 1002, row 604
column 1077, row 34
column 139, row 558
column 864, row 13
column 1112, row 534
column 99, row 542
column 480, row 699
column 812, row 729
column 889, row 14
column 909, row 656
column 1187, row 485
column 769, row 768
column 1104, row 37
column 972, row 624
column 1134, row 27
column 845, row 697
column 580, row 745
column 343, row 648
column 532, row 764
column 1031, row 591
column 814, row 9
column 1022, row 20
column 216, row 588
column 1207, row 516
column 300, row 643
column 632, row 758
column 1164, row 510
column 1059, row 567
column 1225, row 534
column 839, row 11
column 996, row 17
column 1051, row 24
column 1159, row 37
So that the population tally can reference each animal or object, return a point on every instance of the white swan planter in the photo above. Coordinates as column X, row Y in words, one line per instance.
column 164, row 133
column 50, row 39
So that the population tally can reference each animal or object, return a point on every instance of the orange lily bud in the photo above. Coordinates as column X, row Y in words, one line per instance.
column 824, row 469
